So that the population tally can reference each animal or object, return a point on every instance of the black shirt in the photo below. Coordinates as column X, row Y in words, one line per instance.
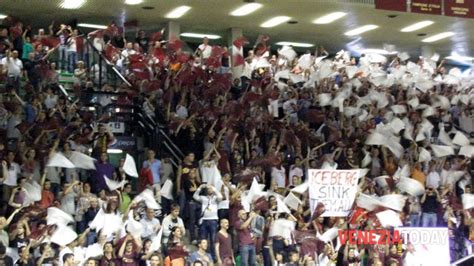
column 143, row 42
column 430, row 205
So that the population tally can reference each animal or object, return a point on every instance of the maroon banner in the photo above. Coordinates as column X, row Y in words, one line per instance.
column 395, row 5
column 426, row 6
column 459, row 8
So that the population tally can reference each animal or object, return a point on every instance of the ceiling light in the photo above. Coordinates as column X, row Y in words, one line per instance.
column 93, row 26
column 200, row 35
column 329, row 18
column 460, row 58
column 72, row 4
column 246, row 9
column 178, row 12
column 417, row 26
column 3, row 16
column 275, row 21
column 360, row 30
column 438, row 37
column 133, row 2
column 377, row 51
column 295, row 44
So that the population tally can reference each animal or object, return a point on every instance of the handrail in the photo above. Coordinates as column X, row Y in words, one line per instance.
column 462, row 260
column 148, row 123
column 114, row 69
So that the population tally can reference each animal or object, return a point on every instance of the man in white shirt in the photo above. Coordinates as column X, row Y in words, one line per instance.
column 151, row 225
column 128, row 51
column 209, row 217
column 13, row 67
column 205, row 49
column 170, row 221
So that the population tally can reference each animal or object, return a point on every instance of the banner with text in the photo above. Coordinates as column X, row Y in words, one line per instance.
column 336, row 189
column 426, row 6
column 459, row 8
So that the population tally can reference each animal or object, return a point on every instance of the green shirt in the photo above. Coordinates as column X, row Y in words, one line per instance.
column 125, row 202
column 27, row 49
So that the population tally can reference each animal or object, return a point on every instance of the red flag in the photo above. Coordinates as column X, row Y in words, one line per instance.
column 50, row 42
column 238, row 60
column 146, row 179
column 240, row 42
column 260, row 46
column 157, row 35
column 318, row 211
column 175, row 45
column 112, row 29
column 110, row 51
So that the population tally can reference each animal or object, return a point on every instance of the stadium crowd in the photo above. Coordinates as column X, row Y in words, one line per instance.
column 240, row 195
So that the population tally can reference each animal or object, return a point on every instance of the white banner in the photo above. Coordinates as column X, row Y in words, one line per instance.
column 336, row 189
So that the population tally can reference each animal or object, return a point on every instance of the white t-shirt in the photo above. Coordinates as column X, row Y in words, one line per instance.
column 72, row 47
column 50, row 101
column 182, row 112
column 278, row 175
column 13, row 66
column 295, row 171
column 206, row 50
column 273, row 108
column 225, row 202
column 149, row 226
column 12, row 176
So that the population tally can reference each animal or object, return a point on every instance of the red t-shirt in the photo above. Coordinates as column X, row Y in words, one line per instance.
column 245, row 237
column 225, row 245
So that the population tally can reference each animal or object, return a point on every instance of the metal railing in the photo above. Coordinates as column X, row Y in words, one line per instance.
column 108, row 73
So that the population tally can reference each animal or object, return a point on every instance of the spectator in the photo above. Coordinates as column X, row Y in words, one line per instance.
column 224, row 253
column 429, row 205
column 13, row 68
column 171, row 221
column 201, row 254
column 246, row 243
column 208, row 221
column 150, row 224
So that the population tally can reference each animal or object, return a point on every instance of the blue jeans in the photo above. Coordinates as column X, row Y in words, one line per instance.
column 429, row 219
column 182, row 203
column 192, row 213
column 71, row 60
column 414, row 220
column 208, row 230
column 247, row 255
column 62, row 57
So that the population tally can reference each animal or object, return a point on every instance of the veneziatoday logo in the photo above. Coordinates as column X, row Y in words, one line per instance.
column 369, row 237
column 405, row 235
